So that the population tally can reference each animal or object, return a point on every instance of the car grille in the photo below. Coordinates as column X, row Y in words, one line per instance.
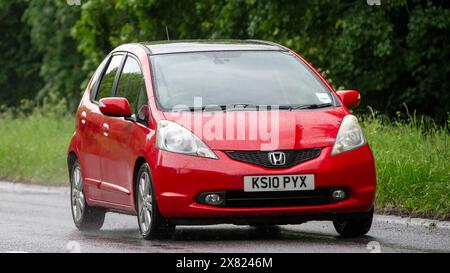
column 241, row 199
column 261, row 158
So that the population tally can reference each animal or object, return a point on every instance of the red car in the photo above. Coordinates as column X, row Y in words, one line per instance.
column 208, row 132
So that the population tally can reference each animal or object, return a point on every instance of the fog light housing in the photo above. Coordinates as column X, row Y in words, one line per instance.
column 212, row 198
column 338, row 195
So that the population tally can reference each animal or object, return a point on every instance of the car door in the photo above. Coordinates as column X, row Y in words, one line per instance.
column 92, row 148
column 122, row 149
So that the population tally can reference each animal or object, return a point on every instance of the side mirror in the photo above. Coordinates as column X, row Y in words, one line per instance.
column 350, row 98
column 115, row 107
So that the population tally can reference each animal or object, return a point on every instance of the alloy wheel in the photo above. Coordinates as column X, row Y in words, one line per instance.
column 145, row 203
column 78, row 200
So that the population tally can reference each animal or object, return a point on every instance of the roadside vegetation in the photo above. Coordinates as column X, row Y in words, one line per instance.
column 412, row 156
column 33, row 143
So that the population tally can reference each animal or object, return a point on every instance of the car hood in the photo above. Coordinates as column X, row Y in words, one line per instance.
column 263, row 130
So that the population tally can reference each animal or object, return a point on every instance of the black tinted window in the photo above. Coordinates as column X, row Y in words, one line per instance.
column 132, row 85
column 107, row 82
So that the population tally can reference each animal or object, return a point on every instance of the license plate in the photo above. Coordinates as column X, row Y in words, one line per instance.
column 299, row 182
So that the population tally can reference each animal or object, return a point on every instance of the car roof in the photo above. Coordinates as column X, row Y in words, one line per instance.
column 184, row 46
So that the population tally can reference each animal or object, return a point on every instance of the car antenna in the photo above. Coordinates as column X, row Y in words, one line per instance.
column 167, row 34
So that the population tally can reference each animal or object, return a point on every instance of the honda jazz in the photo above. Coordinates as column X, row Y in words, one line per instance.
column 209, row 132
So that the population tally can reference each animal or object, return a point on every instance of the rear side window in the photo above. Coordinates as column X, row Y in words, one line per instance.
column 106, row 85
column 132, row 85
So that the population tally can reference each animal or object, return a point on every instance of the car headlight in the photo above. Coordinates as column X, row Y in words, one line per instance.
column 172, row 137
column 349, row 137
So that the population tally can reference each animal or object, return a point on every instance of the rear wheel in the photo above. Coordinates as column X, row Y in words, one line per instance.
column 354, row 225
column 84, row 216
column 152, row 225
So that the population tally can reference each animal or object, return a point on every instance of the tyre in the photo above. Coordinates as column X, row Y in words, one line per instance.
column 152, row 225
column 84, row 216
column 354, row 225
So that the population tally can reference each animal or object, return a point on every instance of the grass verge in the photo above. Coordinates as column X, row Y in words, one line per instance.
column 33, row 148
column 413, row 166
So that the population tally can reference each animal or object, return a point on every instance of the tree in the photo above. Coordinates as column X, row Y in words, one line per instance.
column 19, row 72
column 395, row 53
column 50, row 23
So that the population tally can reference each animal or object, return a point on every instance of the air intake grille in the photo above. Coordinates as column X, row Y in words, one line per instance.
column 261, row 158
column 240, row 199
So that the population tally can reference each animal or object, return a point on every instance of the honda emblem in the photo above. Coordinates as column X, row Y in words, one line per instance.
column 277, row 158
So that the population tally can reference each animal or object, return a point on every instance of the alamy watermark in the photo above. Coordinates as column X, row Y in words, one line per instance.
column 73, row 247
column 374, row 247
column 373, row 2
column 73, row 2
column 260, row 124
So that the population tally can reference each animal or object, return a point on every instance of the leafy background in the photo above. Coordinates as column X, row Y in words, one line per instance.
column 395, row 53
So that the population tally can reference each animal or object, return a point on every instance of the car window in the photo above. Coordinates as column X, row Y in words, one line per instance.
column 106, row 85
column 132, row 85
column 229, row 77
column 96, row 78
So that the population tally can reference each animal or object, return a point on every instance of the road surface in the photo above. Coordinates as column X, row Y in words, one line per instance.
column 38, row 219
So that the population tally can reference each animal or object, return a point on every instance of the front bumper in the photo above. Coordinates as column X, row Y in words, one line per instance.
column 179, row 179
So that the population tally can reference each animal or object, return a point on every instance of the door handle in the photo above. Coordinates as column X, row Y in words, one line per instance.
column 105, row 129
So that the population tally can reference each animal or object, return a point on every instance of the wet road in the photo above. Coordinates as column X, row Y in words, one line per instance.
column 38, row 219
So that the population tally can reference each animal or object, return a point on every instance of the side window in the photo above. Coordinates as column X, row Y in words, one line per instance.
column 132, row 85
column 96, row 79
column 106, row 85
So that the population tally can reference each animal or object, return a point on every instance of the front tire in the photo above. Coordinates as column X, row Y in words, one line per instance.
column 152, row 225
column 355, row 225
column 84, row 216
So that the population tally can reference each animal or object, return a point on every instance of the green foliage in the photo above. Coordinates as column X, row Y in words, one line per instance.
column 428, row 42
column 50, row 22
column 394, row 53
column 413, row 170
column 106, row 24
column 20, row 61
column 33, row 149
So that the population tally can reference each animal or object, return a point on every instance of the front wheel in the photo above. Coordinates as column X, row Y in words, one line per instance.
column 84, row 216
column 354, row 225
column 152, row 225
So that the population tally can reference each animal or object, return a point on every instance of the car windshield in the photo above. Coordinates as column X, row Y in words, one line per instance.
column 247, row 78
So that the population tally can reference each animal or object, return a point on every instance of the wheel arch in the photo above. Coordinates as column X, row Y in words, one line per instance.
column 71, row 158
column 137, row 165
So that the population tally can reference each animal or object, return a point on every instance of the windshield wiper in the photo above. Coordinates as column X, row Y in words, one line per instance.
column 311, row 106
column 239, row 106
column 224, row 107
column 247, row 106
